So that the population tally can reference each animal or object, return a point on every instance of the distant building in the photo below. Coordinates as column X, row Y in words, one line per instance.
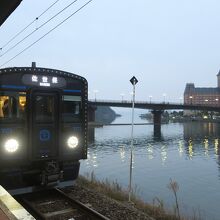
column 202, row 96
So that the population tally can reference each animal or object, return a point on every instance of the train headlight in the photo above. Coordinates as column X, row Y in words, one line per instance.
column 11, row 145
column 72, row 142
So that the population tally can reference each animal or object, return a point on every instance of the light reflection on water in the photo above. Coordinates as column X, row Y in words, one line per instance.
column 188, row 153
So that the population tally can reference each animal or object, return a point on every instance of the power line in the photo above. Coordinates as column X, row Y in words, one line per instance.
column 38, row 28
column 47, row 32
column 16, row 35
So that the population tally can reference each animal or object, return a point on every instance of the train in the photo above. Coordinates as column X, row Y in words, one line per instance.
column 43, row 126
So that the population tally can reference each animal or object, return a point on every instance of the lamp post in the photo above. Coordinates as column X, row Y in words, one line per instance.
column 122, row 96
column 133, row 81
column 95, row 92
column 164, row 97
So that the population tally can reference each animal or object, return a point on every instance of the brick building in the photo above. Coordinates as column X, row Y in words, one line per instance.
column 202, row 96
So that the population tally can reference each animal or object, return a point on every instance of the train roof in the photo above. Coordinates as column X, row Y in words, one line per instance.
column 41, row 70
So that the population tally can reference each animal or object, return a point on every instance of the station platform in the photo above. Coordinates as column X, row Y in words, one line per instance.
column 10, row 209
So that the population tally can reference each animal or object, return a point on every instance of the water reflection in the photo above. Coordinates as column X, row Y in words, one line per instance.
column 122, row 153
column 190, row 148
column 92, row 158
column 150, row 152
column 163, row 154
column 180, row 149
column 188, row 153
column 202, row 139
column 198, row 139
column 197, row 130
column 216, row 144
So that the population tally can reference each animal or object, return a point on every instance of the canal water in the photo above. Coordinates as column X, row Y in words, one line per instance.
column 185, row 152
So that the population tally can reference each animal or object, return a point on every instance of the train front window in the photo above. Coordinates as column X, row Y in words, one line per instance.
column 71, row 108
column 12, row 106
column 44, row 108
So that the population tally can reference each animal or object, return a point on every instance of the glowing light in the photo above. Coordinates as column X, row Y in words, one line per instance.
column 72, row 142
column 206, row 145
column 216, row 146
column 22, row 101
column 190, row 149
column 122, row 153
column 180, row 148
column 11, row 145
column 163, row 154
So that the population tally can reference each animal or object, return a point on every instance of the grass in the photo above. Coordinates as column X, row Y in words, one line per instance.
column 115, row 191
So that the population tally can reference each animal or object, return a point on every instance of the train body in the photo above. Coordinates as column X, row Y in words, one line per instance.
column 43, row 126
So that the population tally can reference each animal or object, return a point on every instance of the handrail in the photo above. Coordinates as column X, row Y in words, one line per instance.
column 151, row 103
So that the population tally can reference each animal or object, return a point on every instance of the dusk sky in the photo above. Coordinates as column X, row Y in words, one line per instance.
column 165, row 44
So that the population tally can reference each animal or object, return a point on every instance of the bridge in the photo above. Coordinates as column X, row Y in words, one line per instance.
column 153, row 105
column 157, row 108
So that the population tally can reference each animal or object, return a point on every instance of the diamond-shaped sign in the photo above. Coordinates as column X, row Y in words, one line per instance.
column 133, row 80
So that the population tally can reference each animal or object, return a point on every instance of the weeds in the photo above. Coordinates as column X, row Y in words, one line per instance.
column 115, row 191
column 174, row 187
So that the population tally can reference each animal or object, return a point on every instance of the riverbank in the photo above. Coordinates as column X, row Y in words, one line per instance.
column 112, row 201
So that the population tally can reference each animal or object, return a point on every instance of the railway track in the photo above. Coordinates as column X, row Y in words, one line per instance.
column 54, row 204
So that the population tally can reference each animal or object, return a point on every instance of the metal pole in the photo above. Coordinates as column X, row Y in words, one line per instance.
column 132, row 143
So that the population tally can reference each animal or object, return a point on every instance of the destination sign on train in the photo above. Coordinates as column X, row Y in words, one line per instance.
column 43, row 80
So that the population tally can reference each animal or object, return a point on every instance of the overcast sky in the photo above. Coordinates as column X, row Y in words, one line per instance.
column 165, row 44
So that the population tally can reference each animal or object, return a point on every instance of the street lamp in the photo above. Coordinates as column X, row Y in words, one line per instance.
column 164, row 97
column 150, row 96
column 122, row 96
column 95, row 92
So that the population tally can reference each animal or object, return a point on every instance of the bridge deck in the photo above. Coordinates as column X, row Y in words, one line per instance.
column 153, row 105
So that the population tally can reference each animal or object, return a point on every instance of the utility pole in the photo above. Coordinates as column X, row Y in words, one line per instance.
column 133, row 81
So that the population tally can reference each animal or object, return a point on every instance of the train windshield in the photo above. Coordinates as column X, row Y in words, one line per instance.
column 44, row 107
column 12, row 106
column 72, row 108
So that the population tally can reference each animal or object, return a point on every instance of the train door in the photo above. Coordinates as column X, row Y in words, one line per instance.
column 45, row 125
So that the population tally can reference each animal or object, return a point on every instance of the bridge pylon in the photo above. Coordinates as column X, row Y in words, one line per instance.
column 157, row 121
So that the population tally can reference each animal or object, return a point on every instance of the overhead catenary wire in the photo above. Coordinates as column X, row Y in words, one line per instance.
column 26, row 27
column 15, row 45
column 47, row 33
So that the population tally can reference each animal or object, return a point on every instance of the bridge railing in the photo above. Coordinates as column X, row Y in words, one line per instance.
column 149, row 103
column 130, row 101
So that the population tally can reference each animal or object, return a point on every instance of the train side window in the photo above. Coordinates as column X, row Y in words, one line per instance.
column 71, row 108
column 44, row 108
column 12, row 105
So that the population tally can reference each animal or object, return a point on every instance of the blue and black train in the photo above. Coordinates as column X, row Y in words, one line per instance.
column 43, row 126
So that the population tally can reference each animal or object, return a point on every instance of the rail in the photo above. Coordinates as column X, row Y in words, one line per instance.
column 55, row 204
